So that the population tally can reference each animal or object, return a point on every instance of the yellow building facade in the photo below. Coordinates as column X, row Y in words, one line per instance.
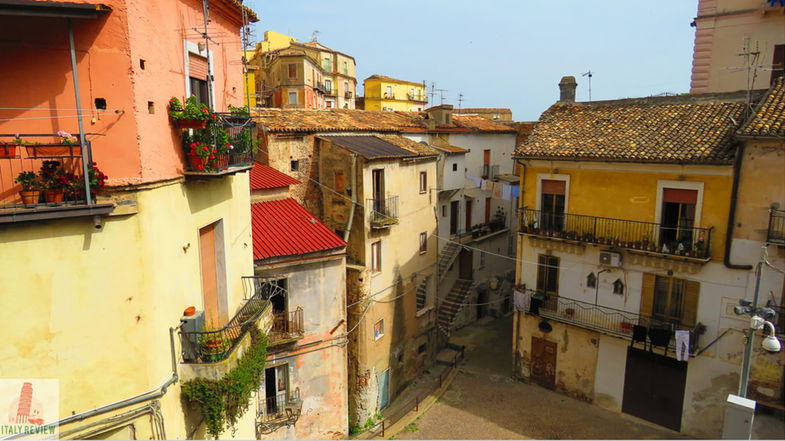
column 385, row 93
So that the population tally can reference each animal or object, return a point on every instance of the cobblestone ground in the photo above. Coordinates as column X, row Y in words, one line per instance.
column 484, row 402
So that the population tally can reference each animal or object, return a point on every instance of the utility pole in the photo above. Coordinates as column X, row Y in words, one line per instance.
column 746, row 361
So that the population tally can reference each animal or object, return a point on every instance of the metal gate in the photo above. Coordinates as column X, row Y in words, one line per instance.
column 544, row 362
column 654, row 387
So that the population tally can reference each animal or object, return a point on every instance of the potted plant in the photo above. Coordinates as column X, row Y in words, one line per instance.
column 67, row 145
column 189, row 115
column 55, row 181
column 570, row 312
column 8, row 149
column 30, row 187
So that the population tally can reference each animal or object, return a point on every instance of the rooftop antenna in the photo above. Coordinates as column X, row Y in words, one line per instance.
column 246, row 37
column 588, row 74
column 441, row 95
column 207, row 40
column 460, row 100
column 433, row 90
column 752, row 67
column 314, row 35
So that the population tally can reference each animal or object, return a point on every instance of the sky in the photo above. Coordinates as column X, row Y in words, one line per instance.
column 501, row 53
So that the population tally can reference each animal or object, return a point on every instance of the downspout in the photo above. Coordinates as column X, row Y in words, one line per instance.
column 354, row 199
column 732, row 211
column 145, row 396
column 82, row 144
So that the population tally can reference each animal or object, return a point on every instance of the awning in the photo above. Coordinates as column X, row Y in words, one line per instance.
column 52, row 9
column 475, row 193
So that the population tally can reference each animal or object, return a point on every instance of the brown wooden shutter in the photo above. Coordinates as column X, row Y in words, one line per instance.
column 542, row 274
column 554, row 187
column 778, row 63
column 197, row 67
column 340, row 182
column 690, row 311
column 647, row 294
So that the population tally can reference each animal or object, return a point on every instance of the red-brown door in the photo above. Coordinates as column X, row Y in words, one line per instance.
column 544, row 362
column 207, row 258
column 468, row 215
column 487, row 210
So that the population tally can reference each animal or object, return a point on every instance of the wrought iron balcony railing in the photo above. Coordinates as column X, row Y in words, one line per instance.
column 384, row 212
column 211, row 346
column 287, row 327
column 283, row 409
column 634, row 235
column 604, row 319
column 239, row 155
column 776, row 231
column 347, row 95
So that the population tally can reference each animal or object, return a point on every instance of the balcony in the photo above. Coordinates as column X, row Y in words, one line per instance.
column 606, row 320
column 489, row 171
column 287, row 327
column 776, row 230
column 416, row 98
column 214, row 346
column 692, row 244
column 55, row 168
column 389, row 96
column 273, row 412
column 238, row 156
column 384, row 212
column 347, row 95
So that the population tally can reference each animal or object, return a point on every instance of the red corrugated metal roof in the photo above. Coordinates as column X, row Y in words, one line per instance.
column 264, row 177
column 284, row 228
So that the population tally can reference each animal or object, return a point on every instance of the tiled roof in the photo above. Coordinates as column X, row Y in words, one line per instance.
column 252, row 17
column 392, row 80
column 663, row 130
column 264, row 177
column 476, row 122
column 371, row 147
column 332, row 120
column 450, row 148
column 769, row 116
column 284, row 228
column 415, row 147
column 483, row 110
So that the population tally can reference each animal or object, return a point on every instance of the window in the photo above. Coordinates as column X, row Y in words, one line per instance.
column 340, row 182
column 345, row 67
column 591, row 281
column 423, row 242
column 423, row 182
column 678, row 217
column 444, row 211
column 548, row 275
column 275, row 389
column 778, row 63
column 328, row 64
column 378, row 329
column 295, row 165
column 482, row 260
column 487, row 210
column 388, row 93
column 328, row 86
column 376, row 257
column 292, row 97
column 329, row 104
column 552, row 202
column 198, row 73
column 292, row 71
column 618, row 287
column 455, row 167
column 346, row 86
column 669, row 299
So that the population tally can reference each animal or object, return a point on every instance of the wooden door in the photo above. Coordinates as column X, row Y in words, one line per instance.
column 544, row 362
column 654, row 387
column 487, row 210
column 209, row 268
column 465, row 270
column 486, row 157
column 454, row 206
column 468, row 215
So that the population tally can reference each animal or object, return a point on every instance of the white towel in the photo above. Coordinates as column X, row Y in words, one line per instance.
column 520, row 301
column 682, row 345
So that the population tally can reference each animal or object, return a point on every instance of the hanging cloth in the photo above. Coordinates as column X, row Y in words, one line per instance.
column 682, row 345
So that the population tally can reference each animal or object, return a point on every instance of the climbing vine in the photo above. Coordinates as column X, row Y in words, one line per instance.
column 222, row 402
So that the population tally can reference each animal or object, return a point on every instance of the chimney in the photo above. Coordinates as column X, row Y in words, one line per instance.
column 440, row 115
column 567, row 87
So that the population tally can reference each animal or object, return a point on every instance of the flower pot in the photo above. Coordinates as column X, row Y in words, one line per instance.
column 222, row 161
column 54, row 196
column 626, row 327
column 44, row 150
column 8, row 151
column 29, row 197
column 189, row 311
column 191, row 123
column 195, row 162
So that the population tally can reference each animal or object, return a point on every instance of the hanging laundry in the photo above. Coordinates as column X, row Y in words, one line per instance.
column 487, row 185
column 520, row 301
column 507, row 192
column 682, row 345
column 474, row 179
column 516, row 191
column 497, row 190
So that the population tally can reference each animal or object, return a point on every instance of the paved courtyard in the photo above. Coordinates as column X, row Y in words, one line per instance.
column 484, row 402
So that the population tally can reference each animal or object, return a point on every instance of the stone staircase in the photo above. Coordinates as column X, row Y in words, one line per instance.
column 447, row 257
column 422, row 293
column 452, row 304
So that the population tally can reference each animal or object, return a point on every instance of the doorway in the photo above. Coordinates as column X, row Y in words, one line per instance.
column 211, row 263
column 378, row 190
column 482, row 300
column 276, row 388
column 544, row 362
column 465, row 270
column 454, row 207
column 468, row 215
column 654, row 387
column 384, row 389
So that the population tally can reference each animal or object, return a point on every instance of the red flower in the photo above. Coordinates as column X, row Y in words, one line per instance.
column 204, row 111
column 228, row 144
column 200, row 166
column 204, row 147
column 212, row 156
column 213, row 115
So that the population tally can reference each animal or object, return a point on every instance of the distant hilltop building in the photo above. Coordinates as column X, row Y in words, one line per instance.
column 494, row 114
column 386, row 93
column 286, row 74
column 728, row 29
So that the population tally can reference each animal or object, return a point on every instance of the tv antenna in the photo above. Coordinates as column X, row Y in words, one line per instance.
column 314, row 35
column 460, row 100
column 433, row 90
column 588, row 74
column 751, row 66
column 441, row 95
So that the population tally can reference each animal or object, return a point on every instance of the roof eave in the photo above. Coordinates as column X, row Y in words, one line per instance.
column 633, row 161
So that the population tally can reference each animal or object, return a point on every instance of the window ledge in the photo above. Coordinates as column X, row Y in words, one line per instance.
column 15, row 215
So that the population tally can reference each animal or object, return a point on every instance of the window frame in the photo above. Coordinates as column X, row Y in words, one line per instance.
column 423, row 182
column 376, row 257
column 289, row 68
column 289, row 101
column 423, row 242
column 378, row 329
column 294, row 165
column 546, row 269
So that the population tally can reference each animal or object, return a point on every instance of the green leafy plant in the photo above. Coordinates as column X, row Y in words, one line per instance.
column 96, row 178
column 222, row 402
column 54, row 177
column 192, row 109
column 29, row 181
column 239, row 111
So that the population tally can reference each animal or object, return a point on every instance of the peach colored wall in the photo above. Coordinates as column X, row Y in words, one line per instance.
column 138, row 146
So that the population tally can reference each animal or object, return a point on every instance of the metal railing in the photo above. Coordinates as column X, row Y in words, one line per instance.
column 384, row 212
column 239, row 152
column 211, row 346
column 283, row 409
column 287, row 326
column 59, row 168
column 635, row 235
column 601, row 318
column 776, row 230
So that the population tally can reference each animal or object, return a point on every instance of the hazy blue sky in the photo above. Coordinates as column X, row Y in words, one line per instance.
column 501, row 53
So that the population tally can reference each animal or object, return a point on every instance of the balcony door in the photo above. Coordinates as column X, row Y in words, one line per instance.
column 454, row 206
column 213, row 275
column 378, row 190
column 678, row 217
column 468, row 215
column 552, row 201
column 276, row 389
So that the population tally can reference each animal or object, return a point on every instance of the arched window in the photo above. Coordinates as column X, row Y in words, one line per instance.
column 591, row 281
column 618, row 287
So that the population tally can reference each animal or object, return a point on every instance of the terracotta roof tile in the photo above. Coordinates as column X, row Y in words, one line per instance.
column 284, row 228
column 483, row 110
column 413, row 146
column 769, row 116
column 476, row 122
column 680, row 130
column 264, row 177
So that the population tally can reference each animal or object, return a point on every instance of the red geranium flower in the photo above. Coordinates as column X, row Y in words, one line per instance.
column 200, row 166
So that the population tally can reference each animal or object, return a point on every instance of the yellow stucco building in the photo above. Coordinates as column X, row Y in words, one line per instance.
column 385, row 93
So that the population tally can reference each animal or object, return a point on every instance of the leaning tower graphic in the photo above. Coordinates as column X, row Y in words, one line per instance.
column 25, row 403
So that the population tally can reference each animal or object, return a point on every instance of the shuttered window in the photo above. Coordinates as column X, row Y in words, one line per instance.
column 197, row 67
column 548, row 275
column 778, row 63
column 340, row 182
column 670, row 299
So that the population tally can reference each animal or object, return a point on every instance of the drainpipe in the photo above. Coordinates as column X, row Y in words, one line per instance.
column 354, row 199
column 145, row 396
column 82, row 144
column 732, row 212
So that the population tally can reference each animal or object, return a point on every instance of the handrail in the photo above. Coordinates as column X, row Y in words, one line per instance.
column 383, row 210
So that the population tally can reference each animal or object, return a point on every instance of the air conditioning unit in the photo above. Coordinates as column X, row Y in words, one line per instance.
column 610, row 258
column 193, row 323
